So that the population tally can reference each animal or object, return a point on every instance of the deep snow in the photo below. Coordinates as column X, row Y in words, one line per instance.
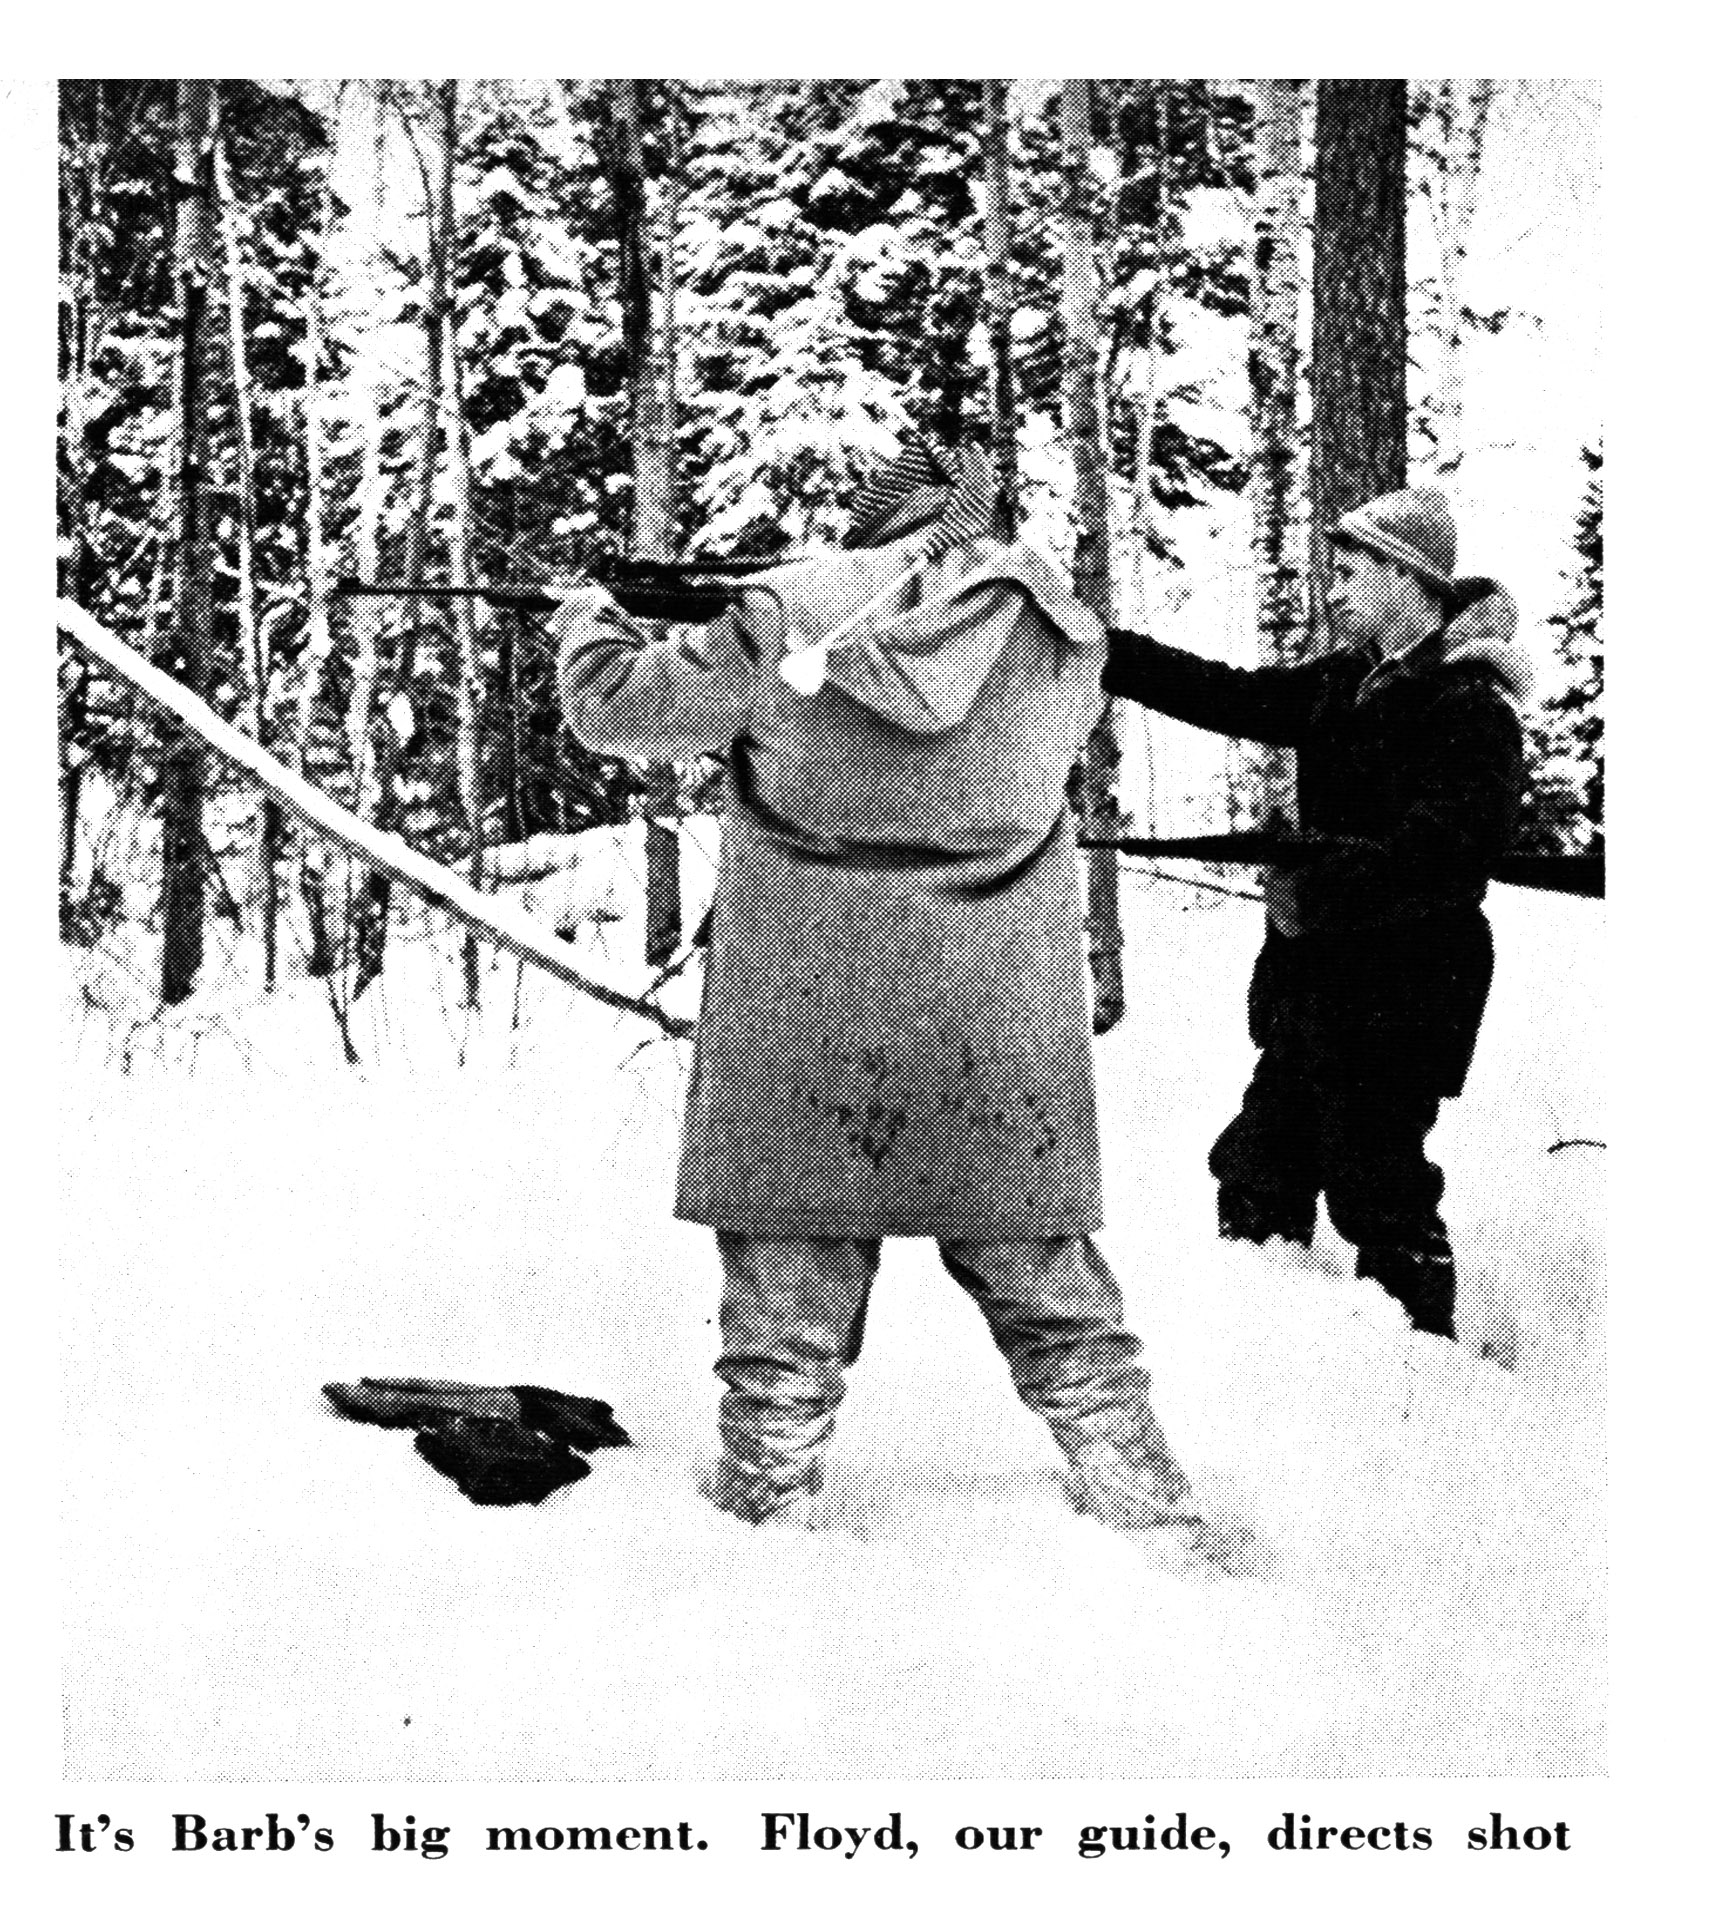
column 258, row 1591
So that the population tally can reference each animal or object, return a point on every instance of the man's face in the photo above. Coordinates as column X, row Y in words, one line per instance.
column 1369, row 598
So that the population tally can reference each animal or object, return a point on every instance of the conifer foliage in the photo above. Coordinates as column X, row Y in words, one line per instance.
column 1566, row 807
column 406, row 379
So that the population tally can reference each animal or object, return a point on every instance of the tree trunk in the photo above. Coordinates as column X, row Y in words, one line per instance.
column 427, row 445
column 252, row 641
column 665, row 928
column 459, row 569
column 365, row 256
column 376, row 751
column 1145, row 418
column 651, row 354
column 1275, row 363
column 182, row 850
column 1464, row 107
column 1360, row 443
column 517, row 818
column 997, row 303
column 313, row 860
column 1091, row 565
column 81, row 332
column 318, row 639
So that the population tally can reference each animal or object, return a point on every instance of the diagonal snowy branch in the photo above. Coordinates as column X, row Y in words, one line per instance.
column 507, row 925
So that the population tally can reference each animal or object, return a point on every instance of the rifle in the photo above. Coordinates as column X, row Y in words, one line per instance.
column 696, row 591
column 680, row 592
column 1578, row 875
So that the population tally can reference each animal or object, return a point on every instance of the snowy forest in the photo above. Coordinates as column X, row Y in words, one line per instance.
column 376, row 982
column 483, row 337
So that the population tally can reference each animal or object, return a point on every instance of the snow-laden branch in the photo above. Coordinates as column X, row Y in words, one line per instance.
column 506, row 924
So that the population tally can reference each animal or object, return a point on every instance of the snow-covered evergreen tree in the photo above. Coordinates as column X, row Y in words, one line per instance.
column 1565, row 809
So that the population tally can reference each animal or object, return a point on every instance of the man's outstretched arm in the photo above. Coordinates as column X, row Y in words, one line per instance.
column 1270, row 704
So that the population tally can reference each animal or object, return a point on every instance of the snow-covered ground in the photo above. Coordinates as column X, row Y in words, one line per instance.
column 258, row 1591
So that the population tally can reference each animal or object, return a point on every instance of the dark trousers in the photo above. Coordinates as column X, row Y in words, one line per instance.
column 1307, row 1128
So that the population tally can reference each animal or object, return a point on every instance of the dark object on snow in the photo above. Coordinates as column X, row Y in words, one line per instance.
column 422, row 1403
column 585, row 1422
column 508, row 1444
column 494, row 1460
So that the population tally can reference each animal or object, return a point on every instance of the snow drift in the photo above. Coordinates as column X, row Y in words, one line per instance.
column 258, row 1591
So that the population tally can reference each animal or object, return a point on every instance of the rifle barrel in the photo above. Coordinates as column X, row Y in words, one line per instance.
column 490, row 594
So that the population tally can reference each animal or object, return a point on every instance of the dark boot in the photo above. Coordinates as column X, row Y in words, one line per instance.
column 1421, row 1276
column 1249, row 1215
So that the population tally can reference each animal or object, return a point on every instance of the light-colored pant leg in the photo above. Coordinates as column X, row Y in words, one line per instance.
column 1058, row 1318
column 790, row 1321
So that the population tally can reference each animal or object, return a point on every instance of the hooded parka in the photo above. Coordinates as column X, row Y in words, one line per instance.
column 894, row 1038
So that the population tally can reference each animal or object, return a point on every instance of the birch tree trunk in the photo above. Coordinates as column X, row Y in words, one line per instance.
column 369, row 760
column 81, row 332
column 318, row 639
column 1145, row 418
column 376, row 748
column 1463, row 107
column 1360, row 439
column 313, row 859
column 182, row 874
column 1275, row 363
column 997, row 302
column 373, row 746
column 1091, row 565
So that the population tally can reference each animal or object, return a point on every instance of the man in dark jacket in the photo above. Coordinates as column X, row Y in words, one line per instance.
column 1371, row 983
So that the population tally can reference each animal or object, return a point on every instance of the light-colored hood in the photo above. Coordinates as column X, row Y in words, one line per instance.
column 912, row 632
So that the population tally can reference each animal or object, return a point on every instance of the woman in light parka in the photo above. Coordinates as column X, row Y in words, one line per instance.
column 895, row 1036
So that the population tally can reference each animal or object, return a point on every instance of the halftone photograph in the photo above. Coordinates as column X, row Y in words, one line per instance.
column 831, row 914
